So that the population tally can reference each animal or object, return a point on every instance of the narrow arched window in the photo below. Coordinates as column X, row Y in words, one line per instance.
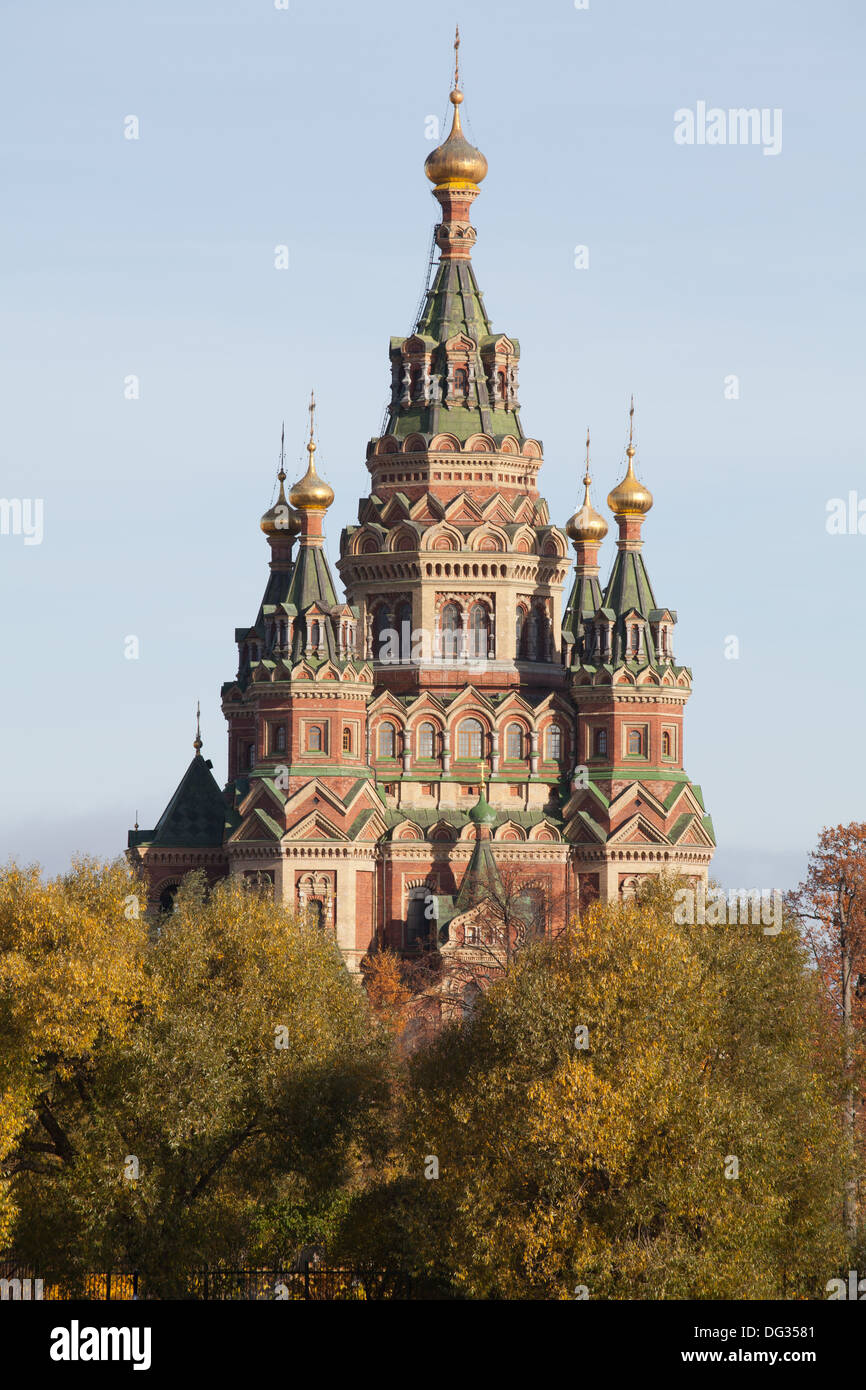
column 387, row 741
column 500, row 385
column 514, row 743
column 667, row 745
column 478, row 628
column 404, row 629
column 470, row 739
column 519, row 626
column 635, row 743
column 554, row 743
column 315, row 741
column 461, row 381
column 347, row 739
column 280, row 739
column 450, row 628
column 601, row 743
column 426, row 741
column 251, row 755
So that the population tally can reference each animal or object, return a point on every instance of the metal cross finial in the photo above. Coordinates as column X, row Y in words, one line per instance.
column 197, row 744
column 631, row 422
column 587, row 478
column 282, row 473
column 312, row 409
column 457, row 56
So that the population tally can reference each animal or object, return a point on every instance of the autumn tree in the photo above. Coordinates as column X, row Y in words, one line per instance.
column 831, row 905
column 72, row 980
column 637, row 1109
column 233, row 1109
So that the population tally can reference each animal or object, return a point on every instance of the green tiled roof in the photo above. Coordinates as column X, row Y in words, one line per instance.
column 196, row 817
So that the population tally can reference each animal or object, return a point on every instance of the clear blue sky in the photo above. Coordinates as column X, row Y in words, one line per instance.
column 307, row 127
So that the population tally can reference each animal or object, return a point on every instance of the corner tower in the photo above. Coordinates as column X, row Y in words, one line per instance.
column 633, row 811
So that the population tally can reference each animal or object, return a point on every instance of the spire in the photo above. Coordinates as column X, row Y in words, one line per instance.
column 455, row 168
column 630, row 500
column 311, row 493
column 197, row 744
column 281, row 520
column 586, row 526
column 587, row 530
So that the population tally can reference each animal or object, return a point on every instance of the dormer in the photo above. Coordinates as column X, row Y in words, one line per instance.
column 662, row 622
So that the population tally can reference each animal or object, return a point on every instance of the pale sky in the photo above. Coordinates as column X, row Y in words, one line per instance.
column 257, row 127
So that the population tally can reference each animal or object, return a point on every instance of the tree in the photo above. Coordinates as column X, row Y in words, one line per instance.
column 72, row 980
column 831, row 905
column 637, row 1109
column 252, row 1079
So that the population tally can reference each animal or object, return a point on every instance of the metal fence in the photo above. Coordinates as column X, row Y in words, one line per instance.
column 259, row 1285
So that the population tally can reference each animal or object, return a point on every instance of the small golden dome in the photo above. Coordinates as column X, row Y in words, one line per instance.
column 630, row 497
column 455, row 163
column 311, row 493
column 281, row 519
column 586, row 524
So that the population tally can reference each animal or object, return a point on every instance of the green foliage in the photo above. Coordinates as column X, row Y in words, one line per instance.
column 606, row 1167
column 253, row 1065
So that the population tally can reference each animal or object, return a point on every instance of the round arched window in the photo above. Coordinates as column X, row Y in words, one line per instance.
column 470, row 739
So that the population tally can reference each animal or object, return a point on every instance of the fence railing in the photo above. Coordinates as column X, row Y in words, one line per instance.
column 321, row 1282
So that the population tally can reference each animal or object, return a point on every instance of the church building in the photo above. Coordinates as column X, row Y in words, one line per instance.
column 446, row 710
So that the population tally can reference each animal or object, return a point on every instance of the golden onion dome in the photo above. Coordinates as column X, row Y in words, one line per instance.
column 455, row 163
column 630, row 497
column 281, row 519
column 586, row 525
column 311, row 493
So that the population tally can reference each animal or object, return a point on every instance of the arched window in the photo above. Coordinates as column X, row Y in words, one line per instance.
column 251, row 755
column 461, row 381
column 450, row 628
column 635, row 639
column 417, row 922
column 554, row 743
column 427, row 741
column 635, row 743
column 316, row 910
column 667, row 744
column 478, row 627
column 280, row 739
column 387, row 741
column 315, row 633
column 347, row 739
column 167, row 897
column 404, row 630
column 601, row 743
column 381, row 629
column 514, row 743
column 519, row 625
column 500, row 385
column 470, row 739
column 315, row 739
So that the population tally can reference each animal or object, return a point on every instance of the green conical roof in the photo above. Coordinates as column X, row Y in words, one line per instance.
column 481, row 880
column 195, row 818
column 453, row 305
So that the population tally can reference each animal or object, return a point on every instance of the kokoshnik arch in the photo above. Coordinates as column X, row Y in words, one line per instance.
column 446, row 719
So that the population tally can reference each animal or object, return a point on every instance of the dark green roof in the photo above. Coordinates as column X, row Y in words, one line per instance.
column 482, row 878
column 197, row 815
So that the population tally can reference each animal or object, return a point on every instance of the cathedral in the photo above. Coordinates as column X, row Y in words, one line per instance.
column 441, row 717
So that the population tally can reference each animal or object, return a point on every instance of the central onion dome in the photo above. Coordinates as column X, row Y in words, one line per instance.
column 281, row 519
column 630, row 497
column 455, row 163
column 586, row 525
